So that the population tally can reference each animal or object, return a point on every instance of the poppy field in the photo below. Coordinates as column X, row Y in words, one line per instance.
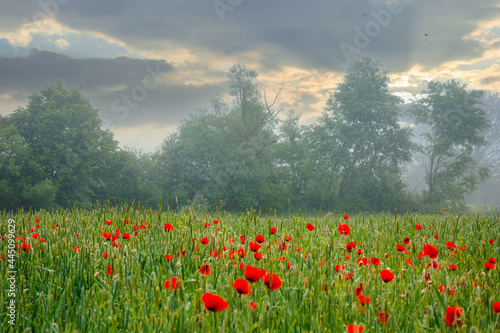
column 141, row 270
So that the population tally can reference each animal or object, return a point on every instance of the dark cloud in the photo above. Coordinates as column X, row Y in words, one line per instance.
column 301, row 33
column 490, row 79
column 42, row 67
column 143, row 83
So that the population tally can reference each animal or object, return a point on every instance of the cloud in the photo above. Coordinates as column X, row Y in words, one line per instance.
column 62, row 44
column 298, row 33
column 107, row 47
column 42, row 67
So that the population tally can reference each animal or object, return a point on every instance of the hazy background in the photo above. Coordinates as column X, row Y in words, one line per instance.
column 114, row 47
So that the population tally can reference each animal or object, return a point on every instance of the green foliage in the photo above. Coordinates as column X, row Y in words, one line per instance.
column 456, row 124
column 358, row 144
column 41, row 195
column 56, row 154
column 223, row 152
column 238, row 154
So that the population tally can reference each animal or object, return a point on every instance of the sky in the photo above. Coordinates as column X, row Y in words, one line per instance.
column 147, row 64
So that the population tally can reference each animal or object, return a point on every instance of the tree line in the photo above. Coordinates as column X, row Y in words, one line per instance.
column 245, row 153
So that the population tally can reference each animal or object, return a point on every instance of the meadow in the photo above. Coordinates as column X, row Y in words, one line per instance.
column 128, row 269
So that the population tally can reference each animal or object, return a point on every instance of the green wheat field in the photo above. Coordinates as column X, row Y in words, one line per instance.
column 141, row 270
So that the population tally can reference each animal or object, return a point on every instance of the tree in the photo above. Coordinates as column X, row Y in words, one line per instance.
column 18, row 187
column 290, row 153
column 359, row 141
column 223, row 152
column 62, row 135
column 488, row 155
column 456, row 124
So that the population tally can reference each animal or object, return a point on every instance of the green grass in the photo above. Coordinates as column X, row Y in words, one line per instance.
column 59, row 289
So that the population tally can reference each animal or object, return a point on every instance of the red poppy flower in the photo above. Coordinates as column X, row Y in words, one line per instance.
column 350, row 246
column 254, row 246
column 168, row 257
column 450, row 245
column 241, row 252
column 310, row 227
column 205, row 241
column 406, row 240
column 492, row 260
column 272, row 283
column 360, row 251
column 430, row 251
column 400, row 248
column 362, row 261
column 257, row 255
column 384, row 317
column 252, row 305
column 387, row 255
column 348, row 276
column 418, row 227
column 168, row 227
column 207, row 225
column 355, row 328
column 172, row 283
column 344, row 229
column 339, row 268
column 260, row 239
column 491, row 241
column 242, row 287
column 104, row 255
column 242, row 238
column 452, row 292
column 453, row 315
column 126, row 236
column 489, row 266
column 452, row 267
column 108, row 271
column 288, row 238
column 375, row 261
column 496, row 307
column 345, row 216
column 25, row 247
column 108, row 222
column 364, row 300
column 433, row 265
column 359, row 290
column 206, row 269
column 273, row 230
column 253, row 274
column 436, row 236
column 213, row 302
column 387, row 275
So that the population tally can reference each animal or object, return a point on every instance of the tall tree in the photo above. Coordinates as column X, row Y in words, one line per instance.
column 488, row 155
column 456, row 124
column 62, row 132
column 367, row 145
column 290, row 153
column 223, row 152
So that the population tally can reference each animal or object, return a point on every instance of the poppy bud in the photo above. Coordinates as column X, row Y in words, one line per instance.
column 463, row 281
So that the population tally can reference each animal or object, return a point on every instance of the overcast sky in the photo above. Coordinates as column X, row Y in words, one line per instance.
column 147, row 64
